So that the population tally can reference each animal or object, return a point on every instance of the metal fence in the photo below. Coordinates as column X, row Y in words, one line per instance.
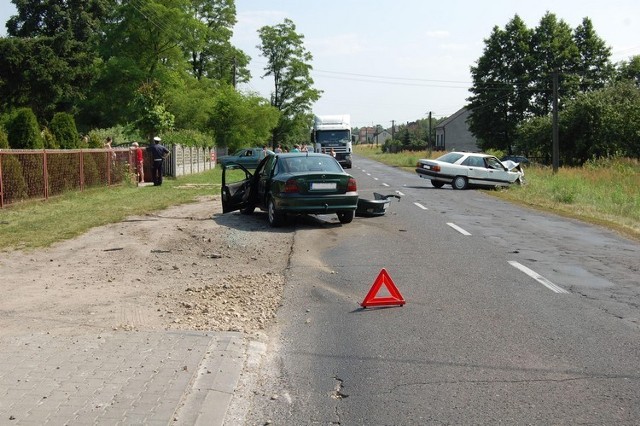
column 40, row 174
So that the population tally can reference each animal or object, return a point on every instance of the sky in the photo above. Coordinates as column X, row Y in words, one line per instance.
column 396, row 61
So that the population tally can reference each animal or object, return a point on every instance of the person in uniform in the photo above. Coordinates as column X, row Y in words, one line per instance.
column 159, row 153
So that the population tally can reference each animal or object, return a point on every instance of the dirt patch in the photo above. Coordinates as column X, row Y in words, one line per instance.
column 186, row 268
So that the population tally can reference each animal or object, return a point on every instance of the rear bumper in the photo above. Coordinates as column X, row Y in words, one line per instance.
column 316, row 205
column 428, row 174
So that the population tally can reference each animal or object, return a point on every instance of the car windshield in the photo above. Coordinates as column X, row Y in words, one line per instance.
column 310, row 164
column 324, row 136
column 494, row 163
column 450, row 157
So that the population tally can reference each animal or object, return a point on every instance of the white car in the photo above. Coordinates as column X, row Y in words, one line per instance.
column 464, row 169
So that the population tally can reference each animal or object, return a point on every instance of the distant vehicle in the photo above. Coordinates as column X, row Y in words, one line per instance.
column 291, row 183
column 248, row 157
column 464, row 169
column 520, row 159
column 333, row 132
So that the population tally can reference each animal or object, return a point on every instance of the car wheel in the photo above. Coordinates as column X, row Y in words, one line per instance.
column 437, row 183
column 460, row 182
column 346, row 217
column 275, row 217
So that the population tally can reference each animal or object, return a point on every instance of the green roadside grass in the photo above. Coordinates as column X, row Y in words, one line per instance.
column 604, row 193
column 39, row 223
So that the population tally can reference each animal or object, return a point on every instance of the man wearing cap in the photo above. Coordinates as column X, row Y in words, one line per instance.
column 159, row 153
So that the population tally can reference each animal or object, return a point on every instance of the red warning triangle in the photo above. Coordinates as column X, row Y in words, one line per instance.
column 395, row 297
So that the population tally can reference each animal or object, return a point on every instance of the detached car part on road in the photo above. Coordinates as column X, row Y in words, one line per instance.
column 465, row 169
column 376, row 207
column 290, row 183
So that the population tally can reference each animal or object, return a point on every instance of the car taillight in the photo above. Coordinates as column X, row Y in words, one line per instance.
column 351, row 185
column 435, row 168
column 291, row 186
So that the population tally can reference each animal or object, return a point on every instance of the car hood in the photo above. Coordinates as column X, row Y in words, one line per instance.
column 513, row 166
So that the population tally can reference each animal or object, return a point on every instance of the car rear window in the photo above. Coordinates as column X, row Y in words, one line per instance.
column 450, row 157
column 310, row 164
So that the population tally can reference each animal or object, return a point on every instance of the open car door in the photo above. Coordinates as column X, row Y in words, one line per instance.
column 236, row 186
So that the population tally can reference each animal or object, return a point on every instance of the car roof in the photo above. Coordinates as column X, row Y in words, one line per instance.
column 471, row 154
column 301, row 154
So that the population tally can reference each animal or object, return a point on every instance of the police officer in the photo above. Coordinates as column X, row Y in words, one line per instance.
column 159, row 153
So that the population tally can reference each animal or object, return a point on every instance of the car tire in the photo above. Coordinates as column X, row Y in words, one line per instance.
column 459, row 182
column 437, row 183
column 346, row 217
column 274, row 217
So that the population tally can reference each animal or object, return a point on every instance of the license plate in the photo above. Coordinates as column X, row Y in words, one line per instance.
column 323, row 185
column 426, row 166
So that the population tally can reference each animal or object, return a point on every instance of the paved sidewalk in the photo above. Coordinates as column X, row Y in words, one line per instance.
column 119, row 378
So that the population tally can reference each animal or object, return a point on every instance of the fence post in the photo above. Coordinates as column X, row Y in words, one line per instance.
column 1, row 187
column 81, row 162
column 45, row 174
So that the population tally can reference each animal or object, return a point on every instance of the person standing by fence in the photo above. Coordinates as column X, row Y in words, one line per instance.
column 139, row 159
column 159, row 153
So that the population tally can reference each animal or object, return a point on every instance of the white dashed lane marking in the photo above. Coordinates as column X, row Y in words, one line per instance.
column 542, row 280
column 421, row 206
column 457, row 228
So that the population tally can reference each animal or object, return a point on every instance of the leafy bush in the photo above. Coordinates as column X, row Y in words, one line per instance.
column 121, row 135
column 63, row 127
column 191, row 138
column 24, row 131
column 49, row 139
column 392, row 146
column 13, row 183
column 4, row 141
column 91, row 172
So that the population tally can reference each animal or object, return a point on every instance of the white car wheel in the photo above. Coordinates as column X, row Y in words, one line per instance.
column 459, row 182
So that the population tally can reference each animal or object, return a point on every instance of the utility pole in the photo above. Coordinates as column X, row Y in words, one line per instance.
column 555, row 133
column 235, row 72
column 393, row 129
column 429, row 136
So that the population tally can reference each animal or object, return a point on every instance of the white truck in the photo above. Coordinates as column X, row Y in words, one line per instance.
column 333, row 131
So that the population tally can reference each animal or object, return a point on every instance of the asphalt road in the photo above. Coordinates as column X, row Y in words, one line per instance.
column 512, row 316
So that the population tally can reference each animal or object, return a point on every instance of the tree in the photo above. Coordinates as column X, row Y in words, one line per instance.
column 63, row 127
column 153, row 117
column 603, row 123
column 23, row 130
column 553, row 50
column 501, row 86
column 293, row 95
column 210, row 51
column 150, row 34
column 47, row 18
column 240, row 120
column 512, row 81
column 594, row 68
column 630, row 70
column 4, row 140
column 47, row 63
